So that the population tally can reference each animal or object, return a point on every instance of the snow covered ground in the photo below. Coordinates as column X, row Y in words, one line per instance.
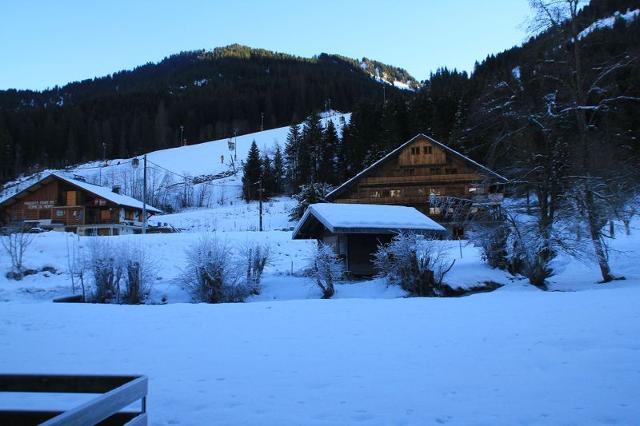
column 503, row 358
column 372, row 356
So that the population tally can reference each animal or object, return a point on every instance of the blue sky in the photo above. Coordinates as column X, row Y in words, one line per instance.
column 44, row 43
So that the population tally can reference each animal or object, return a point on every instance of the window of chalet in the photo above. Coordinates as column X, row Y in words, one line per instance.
column 59, row 213
column 435, row 211
column 385, row 193
column 450, row 171
column 427, row 149
column 375, row 194
column 476, row 188
column 435, row 170
column 415, row 150
column 395, row 193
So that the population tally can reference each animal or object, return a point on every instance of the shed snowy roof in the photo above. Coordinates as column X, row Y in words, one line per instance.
column 365, row 218
column 100, row 191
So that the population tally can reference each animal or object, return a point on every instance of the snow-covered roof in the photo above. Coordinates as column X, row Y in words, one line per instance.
column 100, row 191
column 396, row 151
column 108, row 194
column 365, row 218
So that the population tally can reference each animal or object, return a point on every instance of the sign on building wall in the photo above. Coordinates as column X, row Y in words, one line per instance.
column 39, row 204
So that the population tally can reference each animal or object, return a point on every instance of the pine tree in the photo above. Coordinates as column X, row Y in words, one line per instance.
column 328, row 153
column 292, row 150
column 310, row 152
column 252, row 172
column 268, row 177
column 278, row 171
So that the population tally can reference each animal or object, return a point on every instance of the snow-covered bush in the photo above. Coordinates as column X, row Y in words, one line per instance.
column 529, row 252
column 254, row 256
column 137, row 274
column 15, row 243
column 212, row 275
column 105, row 271
column 416, row 264
column 119, row 273
column 326, row 269
column 493, row 240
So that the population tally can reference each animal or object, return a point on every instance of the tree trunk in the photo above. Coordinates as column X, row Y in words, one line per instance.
column 594, row 231
column 627, row 228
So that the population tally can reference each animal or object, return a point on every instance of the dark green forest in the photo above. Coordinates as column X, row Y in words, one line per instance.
column 500, row 114
column 188, row 98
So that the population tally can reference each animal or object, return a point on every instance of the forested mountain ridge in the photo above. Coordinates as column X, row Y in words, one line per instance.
column 189, row 97
column 203, row 95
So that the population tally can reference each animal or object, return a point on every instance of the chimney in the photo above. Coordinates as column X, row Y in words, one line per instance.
column 116, row 189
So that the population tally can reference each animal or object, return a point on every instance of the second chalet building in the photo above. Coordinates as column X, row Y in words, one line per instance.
column 60, row 203
column 428, row 175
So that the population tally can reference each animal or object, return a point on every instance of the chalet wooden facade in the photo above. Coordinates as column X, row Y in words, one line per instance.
column 60, row 203
column 422, row 173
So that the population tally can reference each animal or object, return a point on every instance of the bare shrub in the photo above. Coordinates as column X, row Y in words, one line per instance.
column 211, row 274
column 120, row 273
column 416, row 264
column 76, row 264
column 255, row 257
column 15, row 243
column 105, row 271
column 137, row 274
column 493, row 244
column 326, row 269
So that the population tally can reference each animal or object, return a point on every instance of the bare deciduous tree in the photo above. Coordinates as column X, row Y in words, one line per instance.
column 16, row 243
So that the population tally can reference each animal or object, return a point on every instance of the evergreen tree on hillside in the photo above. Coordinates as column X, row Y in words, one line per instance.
column 252, row 172
column 328, row 153
column 292, row 154
column 268, row 177
column 278, row 171
column 310, row 152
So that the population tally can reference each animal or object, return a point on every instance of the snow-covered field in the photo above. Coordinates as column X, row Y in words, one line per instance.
column 372, row 356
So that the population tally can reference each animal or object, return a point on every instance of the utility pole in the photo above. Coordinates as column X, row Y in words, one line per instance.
column 181, row 135
column 235, row 147
column 104, row 160
column 261, row 190
column 144, row 196
column 262, row 121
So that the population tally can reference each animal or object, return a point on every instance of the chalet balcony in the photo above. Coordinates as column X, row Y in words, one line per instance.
column 418, row 180
column 490, row 199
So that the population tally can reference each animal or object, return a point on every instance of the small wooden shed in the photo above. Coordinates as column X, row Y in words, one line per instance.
column 356, row 230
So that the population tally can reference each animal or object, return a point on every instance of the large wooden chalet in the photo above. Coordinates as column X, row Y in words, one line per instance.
column 61, row 203
column 428, row 175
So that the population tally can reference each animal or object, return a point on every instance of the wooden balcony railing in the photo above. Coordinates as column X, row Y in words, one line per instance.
column 116, row 393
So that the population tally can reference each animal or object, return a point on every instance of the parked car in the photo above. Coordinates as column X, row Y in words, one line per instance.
column 36, row 230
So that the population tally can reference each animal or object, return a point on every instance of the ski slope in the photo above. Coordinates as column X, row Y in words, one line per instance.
column 206, row 158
